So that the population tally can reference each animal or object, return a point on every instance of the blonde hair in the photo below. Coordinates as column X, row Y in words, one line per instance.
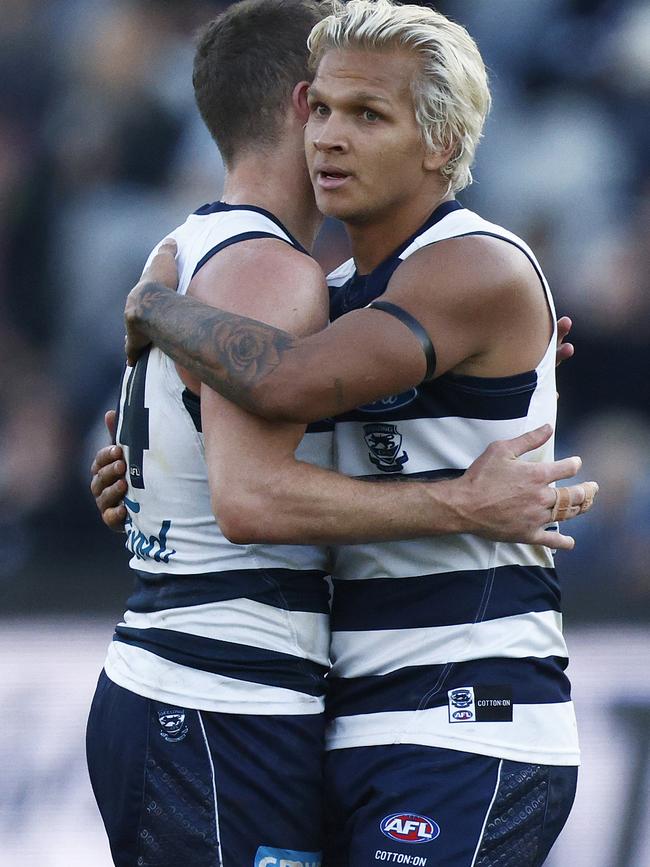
column 451, row 97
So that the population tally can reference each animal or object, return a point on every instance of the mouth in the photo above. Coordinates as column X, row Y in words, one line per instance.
column 331, row 178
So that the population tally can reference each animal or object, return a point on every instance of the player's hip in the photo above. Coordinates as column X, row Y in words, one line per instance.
column 419, row 805
column 179, row 785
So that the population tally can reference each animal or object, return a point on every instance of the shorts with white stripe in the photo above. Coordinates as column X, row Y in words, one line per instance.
column 186, row 788
column 430, row 807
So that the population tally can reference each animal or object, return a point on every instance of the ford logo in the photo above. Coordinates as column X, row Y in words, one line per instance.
column 388, row 404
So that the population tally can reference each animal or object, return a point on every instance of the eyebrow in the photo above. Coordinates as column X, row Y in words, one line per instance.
column 361, row 96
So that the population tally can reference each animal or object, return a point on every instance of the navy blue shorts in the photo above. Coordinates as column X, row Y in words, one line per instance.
column 188, row 788
column 430, row 807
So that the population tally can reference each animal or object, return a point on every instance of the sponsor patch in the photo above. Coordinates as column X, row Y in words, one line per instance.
column 395, row 401
column 172, row 724
column 385, row 444
column 409, row 828
column 480, row 704
column 266, row 856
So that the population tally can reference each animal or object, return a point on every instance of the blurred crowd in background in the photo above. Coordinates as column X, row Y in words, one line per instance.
column 102, row 152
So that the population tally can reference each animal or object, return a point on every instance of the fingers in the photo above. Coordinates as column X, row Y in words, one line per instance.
column 553, row 539
column 529, row 441
column 564, row 469
column 111, row 507
column 564, row 352
column 162, row 269
column 591, row 492
column 105, row 476
column 106, row 456
column 114, row 518
column 573, row 499
column 170, row 246
column 133, row 349
column 110, row 497
column 131, row 354
column 566, row 503
column 564, row 325
column 110, row 419
column 108, row 485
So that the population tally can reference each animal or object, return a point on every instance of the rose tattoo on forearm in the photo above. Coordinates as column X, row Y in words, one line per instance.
column 229, row 353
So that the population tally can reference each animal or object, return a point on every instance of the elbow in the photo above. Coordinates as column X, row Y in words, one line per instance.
column 290, row 404
column 244, row 519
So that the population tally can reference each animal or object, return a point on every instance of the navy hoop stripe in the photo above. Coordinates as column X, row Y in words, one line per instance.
column 533, row 680
column 435, row 600
column 286, row 589
column 453, row 396
column 239, row 661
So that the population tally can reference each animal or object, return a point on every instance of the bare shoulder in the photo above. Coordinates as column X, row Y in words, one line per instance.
column 269, row 280
column 468, row 274
column 481, row 301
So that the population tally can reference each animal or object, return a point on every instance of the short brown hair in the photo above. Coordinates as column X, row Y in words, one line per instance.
column 247, row 62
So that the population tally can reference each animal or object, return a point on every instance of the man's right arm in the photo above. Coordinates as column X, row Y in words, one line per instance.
column 499, row 498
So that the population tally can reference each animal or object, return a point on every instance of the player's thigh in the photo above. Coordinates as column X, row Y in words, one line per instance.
column 152, row 777
column 268, row 773
column 181, row 786
column 116, row 748
column 427, row 806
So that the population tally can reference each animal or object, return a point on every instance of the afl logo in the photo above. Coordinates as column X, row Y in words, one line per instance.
column 463, row 715
column 409, row 828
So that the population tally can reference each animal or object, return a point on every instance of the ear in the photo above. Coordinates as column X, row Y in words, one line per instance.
column 299, row 101
column 433, row 161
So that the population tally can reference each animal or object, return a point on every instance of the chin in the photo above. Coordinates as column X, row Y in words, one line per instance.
column 340, row 210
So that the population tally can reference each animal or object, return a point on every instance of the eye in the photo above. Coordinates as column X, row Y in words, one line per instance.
column 319, row 110
column 369, row 115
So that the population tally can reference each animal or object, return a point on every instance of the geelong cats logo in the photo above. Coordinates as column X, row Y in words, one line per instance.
column 385, row 444
column 172, row 724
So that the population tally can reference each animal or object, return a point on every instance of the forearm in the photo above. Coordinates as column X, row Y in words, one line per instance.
column 271, row 373
column 498, row 497
column 231, row 354
column 305, row 504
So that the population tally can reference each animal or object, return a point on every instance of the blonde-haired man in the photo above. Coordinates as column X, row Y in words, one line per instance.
column 452, row 735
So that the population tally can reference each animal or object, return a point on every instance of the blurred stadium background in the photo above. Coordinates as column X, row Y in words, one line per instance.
column 102, row 152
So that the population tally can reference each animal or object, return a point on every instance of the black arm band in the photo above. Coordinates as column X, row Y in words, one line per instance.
column 415, row 327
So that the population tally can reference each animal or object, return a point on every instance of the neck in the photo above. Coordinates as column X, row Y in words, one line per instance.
column 279, row 183
column 374, row 240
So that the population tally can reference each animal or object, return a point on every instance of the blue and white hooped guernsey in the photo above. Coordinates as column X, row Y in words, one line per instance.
column 452, row 641
column 211, row 625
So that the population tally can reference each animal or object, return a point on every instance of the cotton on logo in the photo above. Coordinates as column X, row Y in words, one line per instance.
column 409, row 828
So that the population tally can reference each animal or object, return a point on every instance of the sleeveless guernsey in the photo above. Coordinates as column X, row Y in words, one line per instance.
column 452, row 641
column 210, row 625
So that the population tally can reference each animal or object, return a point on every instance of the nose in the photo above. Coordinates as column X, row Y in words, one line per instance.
column 329, row 136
